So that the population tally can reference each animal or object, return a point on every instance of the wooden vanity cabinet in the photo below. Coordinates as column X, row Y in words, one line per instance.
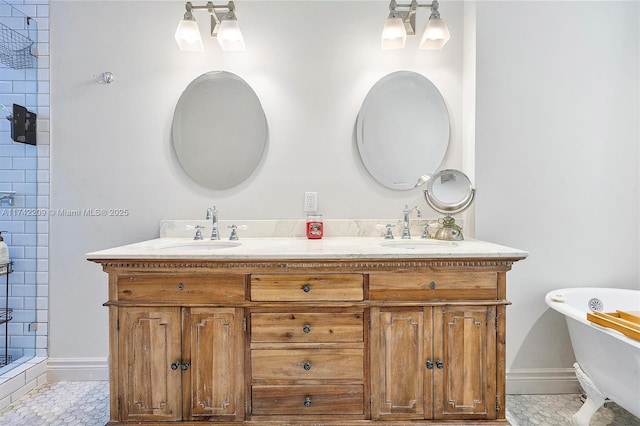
column 433, row 363
column 149, row 342
column 341, row 342
column 308, row 359
column 174, row 363
column 180, row 363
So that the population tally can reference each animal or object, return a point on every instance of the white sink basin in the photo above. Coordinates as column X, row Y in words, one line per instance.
column 200, row 245
column 418, row 244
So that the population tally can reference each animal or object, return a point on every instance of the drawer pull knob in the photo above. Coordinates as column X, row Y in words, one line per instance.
column 180, row 286
column 307, row 401
column 306, row 365
column 185, row 366
column 439, row 364
column 432, row 286
column 175, row 365
column 306, row 288
column 306, row 328
column 430, row 365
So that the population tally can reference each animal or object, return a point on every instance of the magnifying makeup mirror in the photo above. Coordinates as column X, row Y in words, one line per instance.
column 449, row 192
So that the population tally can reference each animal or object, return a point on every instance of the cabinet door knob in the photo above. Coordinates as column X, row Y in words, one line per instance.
column 175, row 365
column 432, row 286
column 307, row 401
column 439, row 364
column 306, row 365
column 306, row 328
column 180, row 286
column 430, row 365
column 306, row 288
column 185, row 366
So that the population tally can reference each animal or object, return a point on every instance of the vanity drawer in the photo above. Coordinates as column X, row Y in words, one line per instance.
column 307, row 364
column 304, row 327
column 313, row 399
column 181, row 288
column 433, row 285
column 297, row 288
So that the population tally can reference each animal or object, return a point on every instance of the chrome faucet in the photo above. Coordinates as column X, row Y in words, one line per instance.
column 212, row 214
column 234, row 233
column 406, row 234
column 198, row 229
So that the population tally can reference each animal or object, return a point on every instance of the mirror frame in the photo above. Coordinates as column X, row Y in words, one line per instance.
column 449, row 206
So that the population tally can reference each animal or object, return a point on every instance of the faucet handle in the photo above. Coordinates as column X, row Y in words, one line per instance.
column 425, row 231
column 198, row 229
column 388, row 234
column 234, row 233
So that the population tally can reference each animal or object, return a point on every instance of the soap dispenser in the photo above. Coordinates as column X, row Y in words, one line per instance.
column 4, row 251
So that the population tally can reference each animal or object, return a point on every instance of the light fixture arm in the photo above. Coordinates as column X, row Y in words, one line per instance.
column 407, row 12
column 217, row 12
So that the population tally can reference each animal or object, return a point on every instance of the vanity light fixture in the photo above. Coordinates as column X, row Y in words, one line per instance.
column 402, row 22
column 224, row 27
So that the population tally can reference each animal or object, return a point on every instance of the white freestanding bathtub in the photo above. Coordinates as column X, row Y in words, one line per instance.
column 608, row 363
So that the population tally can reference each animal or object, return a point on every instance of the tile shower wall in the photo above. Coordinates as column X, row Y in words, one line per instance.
column 25, row 170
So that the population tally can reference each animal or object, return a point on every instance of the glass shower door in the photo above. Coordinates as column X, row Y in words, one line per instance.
column 19, row 215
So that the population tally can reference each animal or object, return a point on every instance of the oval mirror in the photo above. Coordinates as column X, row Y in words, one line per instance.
column 402, row 130
column 219, row 130
column 449, row 191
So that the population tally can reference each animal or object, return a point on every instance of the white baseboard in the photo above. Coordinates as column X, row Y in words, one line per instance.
column 542, row 381
column 77, row 369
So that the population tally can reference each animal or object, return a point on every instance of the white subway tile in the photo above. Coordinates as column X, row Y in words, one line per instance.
column 43, row 286
column 12, row 175
column 42, row 11
column 25, row 188
column 42, row 265
column 42, row 315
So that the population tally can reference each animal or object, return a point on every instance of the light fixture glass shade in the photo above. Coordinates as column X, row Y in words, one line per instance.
column 435, row 35
column 394, row 34
column 188, row 36
column 229, row 35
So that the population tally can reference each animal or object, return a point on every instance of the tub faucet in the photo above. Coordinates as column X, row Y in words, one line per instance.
column 212, row 214
column 406, row 234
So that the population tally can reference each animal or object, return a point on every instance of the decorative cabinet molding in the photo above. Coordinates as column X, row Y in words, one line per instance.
column 180, row 364
column 331, row 342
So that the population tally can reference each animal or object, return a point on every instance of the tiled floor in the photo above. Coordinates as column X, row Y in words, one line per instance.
column 87, row 404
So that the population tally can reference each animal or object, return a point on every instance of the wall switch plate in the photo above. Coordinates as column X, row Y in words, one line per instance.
column 310, row 201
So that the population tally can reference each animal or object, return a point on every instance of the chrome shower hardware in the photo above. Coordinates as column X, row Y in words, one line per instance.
column 7, row 197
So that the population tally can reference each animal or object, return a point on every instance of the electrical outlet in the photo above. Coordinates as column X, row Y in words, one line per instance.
column 310, row 201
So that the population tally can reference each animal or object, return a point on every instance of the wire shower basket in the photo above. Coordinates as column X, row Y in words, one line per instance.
column 15, row 49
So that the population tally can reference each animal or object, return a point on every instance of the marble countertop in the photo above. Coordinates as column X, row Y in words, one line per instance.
column 302, row 248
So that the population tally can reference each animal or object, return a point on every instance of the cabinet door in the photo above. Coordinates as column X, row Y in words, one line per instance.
column 149, row 343
column 213, row 347
column 465, row 359
column 400, row 345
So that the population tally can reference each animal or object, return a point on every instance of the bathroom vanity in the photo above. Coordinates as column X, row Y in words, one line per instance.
column 291, row 331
